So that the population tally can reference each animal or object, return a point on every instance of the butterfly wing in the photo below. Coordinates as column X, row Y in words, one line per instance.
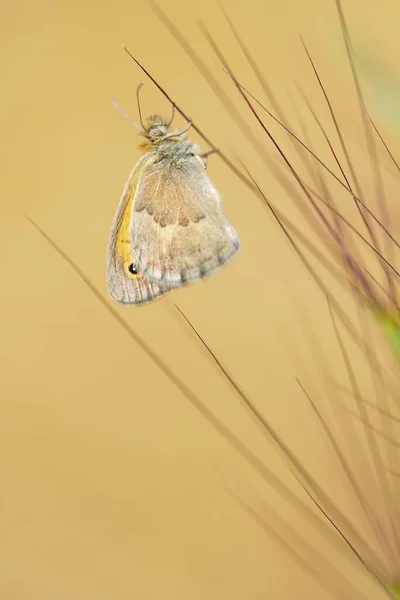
column 178, row 231
column 126, row 283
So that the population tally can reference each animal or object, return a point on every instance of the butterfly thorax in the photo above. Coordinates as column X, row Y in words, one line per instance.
column 176, row 150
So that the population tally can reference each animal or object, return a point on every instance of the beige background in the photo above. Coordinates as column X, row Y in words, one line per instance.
column 112, row 484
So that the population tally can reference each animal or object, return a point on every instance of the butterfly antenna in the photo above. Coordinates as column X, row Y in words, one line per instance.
column 173, row 114
column 113, row 100
column 178, row 133
column 138, row 104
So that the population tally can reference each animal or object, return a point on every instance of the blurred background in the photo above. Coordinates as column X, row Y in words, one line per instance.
column 113, row 485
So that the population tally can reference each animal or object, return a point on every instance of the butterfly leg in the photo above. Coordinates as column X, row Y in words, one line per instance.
column 206, row 155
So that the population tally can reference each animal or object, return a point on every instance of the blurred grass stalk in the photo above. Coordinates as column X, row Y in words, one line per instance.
column 372, row 279
column 326, row 217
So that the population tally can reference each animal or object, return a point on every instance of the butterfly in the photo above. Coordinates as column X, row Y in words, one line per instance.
column 169, row 229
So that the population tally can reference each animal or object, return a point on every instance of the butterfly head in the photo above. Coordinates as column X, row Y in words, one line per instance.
column 157, row 128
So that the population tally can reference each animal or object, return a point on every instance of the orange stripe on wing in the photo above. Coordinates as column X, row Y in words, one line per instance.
column 123, row 247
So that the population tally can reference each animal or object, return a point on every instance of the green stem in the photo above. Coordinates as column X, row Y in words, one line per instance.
column 391, row 326
column 395, row 589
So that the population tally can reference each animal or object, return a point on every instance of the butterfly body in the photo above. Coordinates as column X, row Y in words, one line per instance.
column 169, row 229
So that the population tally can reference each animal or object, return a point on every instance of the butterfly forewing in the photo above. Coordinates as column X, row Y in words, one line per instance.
column 126, row 284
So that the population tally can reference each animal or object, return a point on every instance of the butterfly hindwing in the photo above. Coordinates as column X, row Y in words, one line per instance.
column 178, row 231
